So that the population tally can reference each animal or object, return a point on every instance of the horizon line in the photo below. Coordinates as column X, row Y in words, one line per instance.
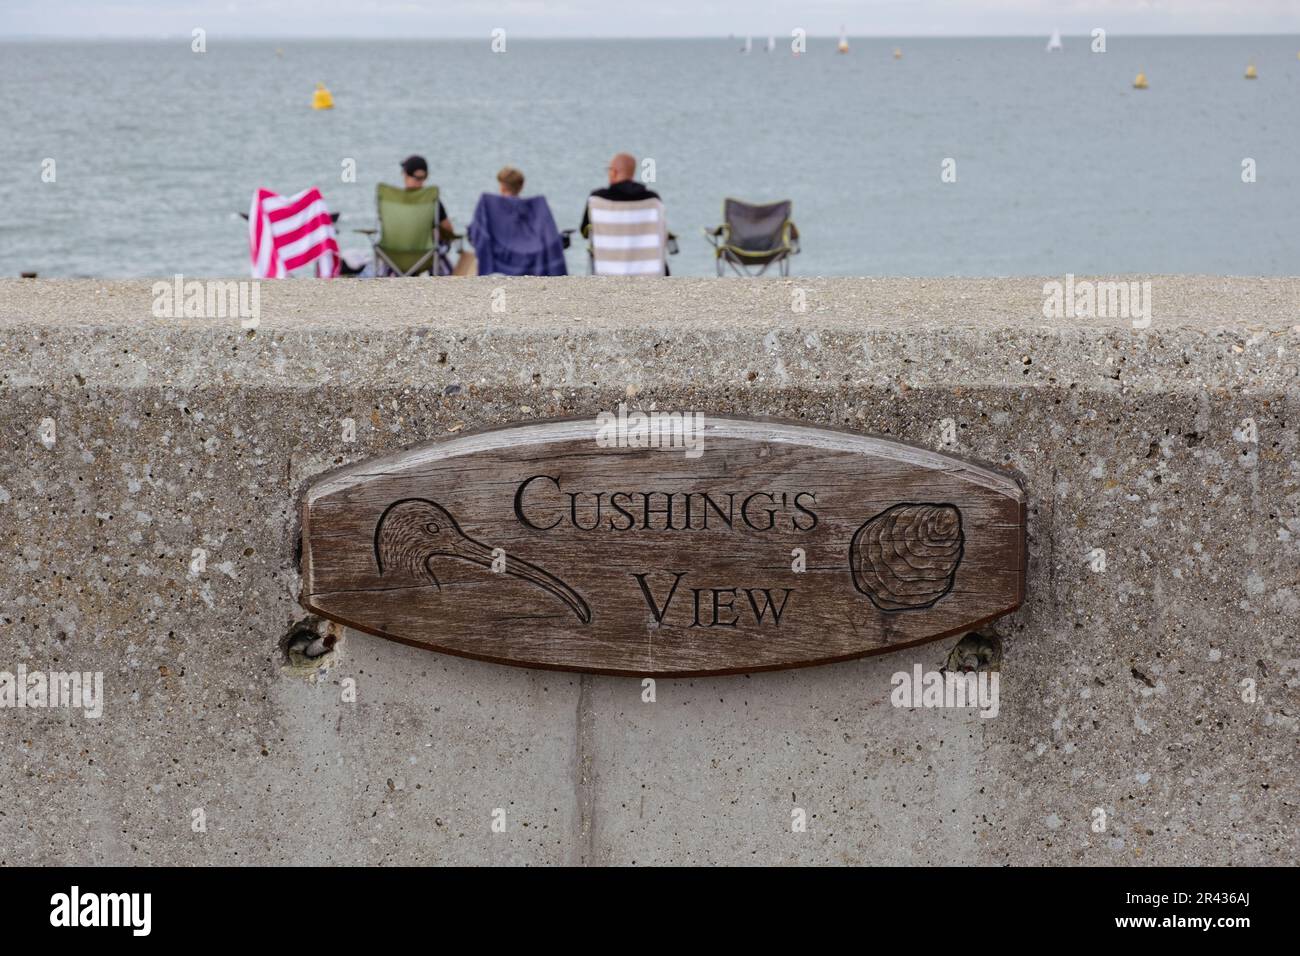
column 410, row 38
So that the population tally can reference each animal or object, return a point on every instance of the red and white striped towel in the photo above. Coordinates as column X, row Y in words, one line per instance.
column 287, row 232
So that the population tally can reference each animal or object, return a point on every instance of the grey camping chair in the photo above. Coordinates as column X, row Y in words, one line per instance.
column 754, row 237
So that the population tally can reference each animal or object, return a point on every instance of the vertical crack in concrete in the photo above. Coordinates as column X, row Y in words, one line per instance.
column 584, row 784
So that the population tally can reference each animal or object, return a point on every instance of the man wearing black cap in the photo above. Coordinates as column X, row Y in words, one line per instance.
column 416, row 171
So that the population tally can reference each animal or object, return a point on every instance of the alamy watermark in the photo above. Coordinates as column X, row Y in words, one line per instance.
column 922, row 688
column 209, row 299
column 75, row 908
column 74, row 690
column 651, row 429
column 1102, row 300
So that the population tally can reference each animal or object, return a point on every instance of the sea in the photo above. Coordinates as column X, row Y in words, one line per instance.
column 955, row 157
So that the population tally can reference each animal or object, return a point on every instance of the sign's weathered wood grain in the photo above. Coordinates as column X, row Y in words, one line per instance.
column 779, row 546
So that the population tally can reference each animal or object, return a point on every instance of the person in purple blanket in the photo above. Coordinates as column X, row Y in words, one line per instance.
column 515, row 235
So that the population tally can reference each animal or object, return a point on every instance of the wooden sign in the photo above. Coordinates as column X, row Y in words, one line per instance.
column 769, row 545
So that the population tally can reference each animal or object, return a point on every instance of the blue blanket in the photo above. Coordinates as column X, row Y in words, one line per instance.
column 516, row 237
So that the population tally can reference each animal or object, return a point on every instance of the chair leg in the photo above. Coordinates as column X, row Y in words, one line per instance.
column 421, row 265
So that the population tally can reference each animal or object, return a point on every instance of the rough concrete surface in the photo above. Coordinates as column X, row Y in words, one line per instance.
column 129, row 441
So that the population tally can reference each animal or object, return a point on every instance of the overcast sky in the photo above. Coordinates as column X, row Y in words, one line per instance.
column 639, row 18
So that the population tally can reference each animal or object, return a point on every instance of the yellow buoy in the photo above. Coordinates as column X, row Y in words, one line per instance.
column 898, row 54
column 1250, row 72
column 321, row 99
column 1141, row 82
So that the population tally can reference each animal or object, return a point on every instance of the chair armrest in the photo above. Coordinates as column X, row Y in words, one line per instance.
column 716, row 234
column 366, row 232
column 672, row 244
column 566, row 237
column 792, row 237
column 334, row 216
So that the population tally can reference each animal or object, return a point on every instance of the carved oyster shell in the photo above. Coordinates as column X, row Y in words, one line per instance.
column 906, row 557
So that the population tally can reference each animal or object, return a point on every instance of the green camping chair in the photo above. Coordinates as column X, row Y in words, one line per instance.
column 407, row 219
column 753, row 237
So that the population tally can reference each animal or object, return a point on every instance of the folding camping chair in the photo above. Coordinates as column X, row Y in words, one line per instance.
column 516, row 236
column 628, row 238
column 753, row 237
column 407, row 219
column 346, row 268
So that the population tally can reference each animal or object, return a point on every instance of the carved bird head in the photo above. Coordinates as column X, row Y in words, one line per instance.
column 412, row 532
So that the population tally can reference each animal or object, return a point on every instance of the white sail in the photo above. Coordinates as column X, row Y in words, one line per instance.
column 1055, row 42
column 749, row 45
column 843, row 46
column 771, row 44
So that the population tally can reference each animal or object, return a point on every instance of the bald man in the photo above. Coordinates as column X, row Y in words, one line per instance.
column 622, row 187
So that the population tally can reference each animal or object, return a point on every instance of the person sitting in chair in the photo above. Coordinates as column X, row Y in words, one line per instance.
column 415, row 172
column 622, row 188
column 513, row 235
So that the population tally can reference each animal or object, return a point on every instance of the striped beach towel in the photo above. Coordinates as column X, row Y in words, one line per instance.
column 628, row 238
column 288, row 232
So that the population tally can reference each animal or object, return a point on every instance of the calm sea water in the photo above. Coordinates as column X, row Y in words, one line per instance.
column 1061, row 166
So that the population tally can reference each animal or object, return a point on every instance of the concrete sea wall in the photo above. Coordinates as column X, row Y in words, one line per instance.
column 1149, row 702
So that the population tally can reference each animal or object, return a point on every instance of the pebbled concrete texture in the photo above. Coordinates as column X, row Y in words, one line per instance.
column 1120, row 689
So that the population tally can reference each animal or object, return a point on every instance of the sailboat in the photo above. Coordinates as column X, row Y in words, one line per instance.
column 749, row 45
column 771, row 44
column 1055, row 42
column 843, row 46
